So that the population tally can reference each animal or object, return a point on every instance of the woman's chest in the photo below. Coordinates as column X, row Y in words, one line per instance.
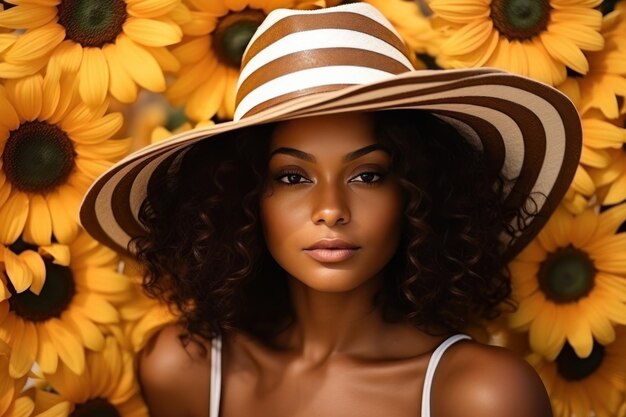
column 338, row 389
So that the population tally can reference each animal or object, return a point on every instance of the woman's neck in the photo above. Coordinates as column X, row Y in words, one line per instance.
column 328, row 323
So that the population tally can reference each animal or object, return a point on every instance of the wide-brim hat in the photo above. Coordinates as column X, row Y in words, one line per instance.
column 350, row 58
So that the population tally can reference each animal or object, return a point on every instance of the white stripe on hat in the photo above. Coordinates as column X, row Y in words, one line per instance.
column 308, row 78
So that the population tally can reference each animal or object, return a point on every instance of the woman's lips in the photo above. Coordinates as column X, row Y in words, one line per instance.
column 331, row 255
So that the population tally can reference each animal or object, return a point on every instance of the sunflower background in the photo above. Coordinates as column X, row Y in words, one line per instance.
column 85, row 82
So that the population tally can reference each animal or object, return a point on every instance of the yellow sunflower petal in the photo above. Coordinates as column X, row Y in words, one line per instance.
column 153, row 32
column 565, row 51
column 38, row 227
column 150, row 8
column 583, row 36
column 27, row 16
column 28, row 96
column 12, row 70
column 527, row 311
column 67, row 57
column 8, row 116
column 52, row 96
column 62, row 409
column 97, row 131
column 189, row 80
column 165, row 58
column 47, row 357
column 64, row 227
column 205, row 101
column 543, row 329
column 461, row 11
column 609, row 221
column 20, row 275
column 96, row 308
column 141, row 66
column 37, row 267
column 67, row 101
column 67, row 345
column 578, row 333
column 93, row 76
column 123, row 88
column 69, row 384
column 89, row 333
column 601, row 134
column 35, row 43
column 60, row 253
column 601, row 327
column 470, row 37
column 200, row 24
column 23, row 407
column 582, row 182
column 103, row 280
column 24, row 350
column 13, row 216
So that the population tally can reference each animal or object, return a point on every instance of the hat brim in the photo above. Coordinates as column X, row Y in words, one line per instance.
column 528, row 129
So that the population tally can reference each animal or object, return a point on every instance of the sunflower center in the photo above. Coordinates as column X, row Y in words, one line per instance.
column 566, row 275
column 38, row 157
column 99, row 407
column 55, row 296
column 92, row 22
column 520, row 19
column 233, row 33
column 573, row 368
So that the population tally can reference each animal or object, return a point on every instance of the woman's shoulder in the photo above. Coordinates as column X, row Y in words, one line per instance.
column 487, row 381
column 172, row 373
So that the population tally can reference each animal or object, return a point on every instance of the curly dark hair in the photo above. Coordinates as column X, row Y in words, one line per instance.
column 204, row 250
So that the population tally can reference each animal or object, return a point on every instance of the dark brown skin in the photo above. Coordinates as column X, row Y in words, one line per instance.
column 339, row 358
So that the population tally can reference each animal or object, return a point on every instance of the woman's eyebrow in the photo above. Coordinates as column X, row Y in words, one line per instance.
column 310, row 158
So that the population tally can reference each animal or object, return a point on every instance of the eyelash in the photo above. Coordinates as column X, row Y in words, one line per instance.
column 284, row 174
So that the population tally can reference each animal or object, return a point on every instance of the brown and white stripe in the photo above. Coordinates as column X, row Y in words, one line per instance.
column 317, row 51
column 529, row 130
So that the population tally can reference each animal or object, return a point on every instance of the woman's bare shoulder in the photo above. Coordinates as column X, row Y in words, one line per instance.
column 487, row 381
column 172, row 375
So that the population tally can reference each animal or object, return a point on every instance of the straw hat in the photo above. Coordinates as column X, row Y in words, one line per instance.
column 350, row 58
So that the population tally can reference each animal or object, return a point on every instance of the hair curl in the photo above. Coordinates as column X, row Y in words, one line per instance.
column 204, row 251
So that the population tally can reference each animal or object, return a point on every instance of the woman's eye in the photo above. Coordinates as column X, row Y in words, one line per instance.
column 368, row 177
column 291, row 179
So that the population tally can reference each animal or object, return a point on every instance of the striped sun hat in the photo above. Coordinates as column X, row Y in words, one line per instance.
column 350, row 58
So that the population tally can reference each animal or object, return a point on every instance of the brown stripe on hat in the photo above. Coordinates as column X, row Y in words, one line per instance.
column 335, row 20
column 492, row 143
column 290, row 96
column 318, row 58
column 89, row 207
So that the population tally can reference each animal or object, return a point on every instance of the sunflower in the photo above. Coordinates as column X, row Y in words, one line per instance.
column 12, row 404
column 605, row 82
column 113, row 46
column 409, row 18
column 540, row 39
column 63, row 319
column 27, row 270
column 107, row 388
column 570, row 282
column 211, row 50
column 52, row 147
column 588, row 386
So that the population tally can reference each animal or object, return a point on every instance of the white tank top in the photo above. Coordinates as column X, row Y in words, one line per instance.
column 216, row 373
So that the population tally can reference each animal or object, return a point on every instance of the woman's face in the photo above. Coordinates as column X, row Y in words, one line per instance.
column 332, row 211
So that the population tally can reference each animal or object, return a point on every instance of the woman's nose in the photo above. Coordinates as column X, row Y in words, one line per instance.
column 330, row 205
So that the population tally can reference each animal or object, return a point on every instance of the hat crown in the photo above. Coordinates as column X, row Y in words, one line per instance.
column 297, row 53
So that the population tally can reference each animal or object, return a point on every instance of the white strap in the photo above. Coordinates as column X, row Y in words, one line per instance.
column 216, row 376
column 430, row 370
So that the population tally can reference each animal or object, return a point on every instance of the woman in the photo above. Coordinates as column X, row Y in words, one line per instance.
column 326, row 256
